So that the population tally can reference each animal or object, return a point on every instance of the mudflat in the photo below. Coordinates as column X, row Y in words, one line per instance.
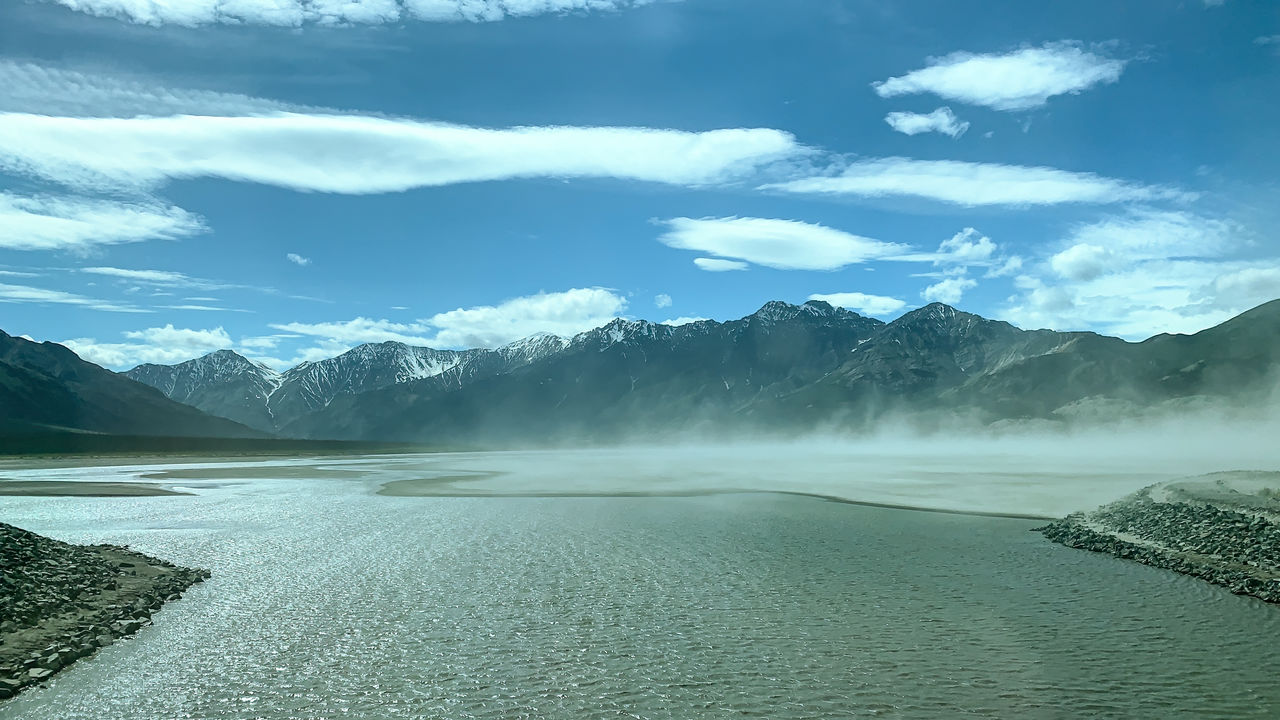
column 53, row 488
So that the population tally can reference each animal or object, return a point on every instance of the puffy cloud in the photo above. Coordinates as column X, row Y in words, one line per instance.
column 861, row 302
column 360, row 330
column 719, row 264
column 154, row 345
column 61, row 222
column 43, row 296
column 1142, row 273
column 662, row 300
column 298, row 260
column 1082, row 262
column 361, row 154
column 683, row 320
column 1019, row 80
column 293, row 13
column 559, row 313
column 782, row 244
column 941, row 120
column 949, row 290
column 1148, row 234
column 972, row 184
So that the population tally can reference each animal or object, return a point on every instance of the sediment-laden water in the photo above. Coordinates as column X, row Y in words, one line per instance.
column 328, row 600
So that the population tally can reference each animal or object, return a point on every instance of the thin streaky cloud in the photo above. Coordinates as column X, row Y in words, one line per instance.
column 46, row 90
column 77, row 224
column 356, row 154
column 295, row 13
column 974, row 184
column 42, row 296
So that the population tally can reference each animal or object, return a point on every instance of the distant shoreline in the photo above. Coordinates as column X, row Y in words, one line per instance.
column 439, row 488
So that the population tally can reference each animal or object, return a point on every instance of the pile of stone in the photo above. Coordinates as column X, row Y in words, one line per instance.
column 1223, row 540
column 62, row 602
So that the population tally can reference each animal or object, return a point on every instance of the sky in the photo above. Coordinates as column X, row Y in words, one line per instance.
column 291, row 178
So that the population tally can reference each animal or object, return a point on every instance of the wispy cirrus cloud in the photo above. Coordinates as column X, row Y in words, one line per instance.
column 45, row 296
column 781, row 244
column 357, row 154
column 49, row 90
column 1020, row 80
column 972, row 184
column 158, row 278
column 294, row 13
column 941, row 121
column 65, row 222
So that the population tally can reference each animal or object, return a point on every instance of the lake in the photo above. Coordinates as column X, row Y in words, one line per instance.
column 330, row 600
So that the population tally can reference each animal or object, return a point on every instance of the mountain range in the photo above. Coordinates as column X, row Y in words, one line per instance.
column 786, row 367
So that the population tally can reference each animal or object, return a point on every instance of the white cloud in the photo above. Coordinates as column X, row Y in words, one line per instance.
column 157, row 278
column 682, row 320
column 1147, row 234
column 861, row 302
column 1019, row 80
column 360, row 154
column 948, row 291
column 164, row 345
column 662, row 300
column 42, row 296
column 1267, row 40
column 293, row 13
column 973, row 184
column 60, row 222
column 1081, row 262
column 360, row 330
column 719, row 264
column 561, row 313
column 941, row 120
column 298, row 260
column 782, row 244
column 967, row 247
column 43, row 90
column 1142, row 273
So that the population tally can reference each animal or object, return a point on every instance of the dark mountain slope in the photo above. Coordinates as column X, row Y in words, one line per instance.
column 45, row 385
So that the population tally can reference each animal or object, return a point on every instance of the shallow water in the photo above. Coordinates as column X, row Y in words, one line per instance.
column 328, row 600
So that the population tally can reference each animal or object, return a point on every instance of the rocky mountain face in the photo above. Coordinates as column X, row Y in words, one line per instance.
column 221, row 383
column 783, row 368
column 46, row 387
column 225, row 383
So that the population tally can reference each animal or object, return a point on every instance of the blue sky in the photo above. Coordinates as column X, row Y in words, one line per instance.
column 290, row 178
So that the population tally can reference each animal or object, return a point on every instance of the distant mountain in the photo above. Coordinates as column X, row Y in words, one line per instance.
column 225, row 383
column 221, row 383
column 785, row 367
column 46, row 387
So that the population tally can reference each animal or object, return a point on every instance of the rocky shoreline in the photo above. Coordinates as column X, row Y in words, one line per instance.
column 1223, row 528
column 61, row 602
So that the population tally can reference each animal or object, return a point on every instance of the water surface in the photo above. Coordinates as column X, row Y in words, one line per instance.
column 329, row 600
